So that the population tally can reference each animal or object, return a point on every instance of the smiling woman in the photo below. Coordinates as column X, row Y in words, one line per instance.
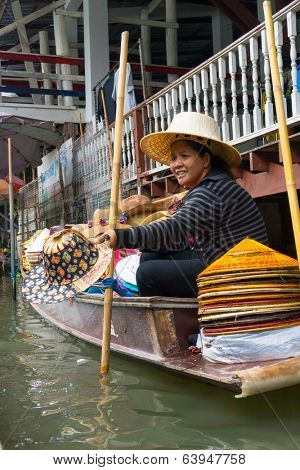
column 190, row 162
column 214, row 215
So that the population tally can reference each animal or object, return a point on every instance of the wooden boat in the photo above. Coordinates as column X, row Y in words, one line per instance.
column 155, row 330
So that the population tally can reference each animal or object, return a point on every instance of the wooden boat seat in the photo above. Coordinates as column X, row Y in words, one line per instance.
column 146, row 302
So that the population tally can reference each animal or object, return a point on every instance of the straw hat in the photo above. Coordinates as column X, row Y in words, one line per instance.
column 70, row 263
column 135, row 204
column 189, row 126
column 156, row 216
column 249, row 255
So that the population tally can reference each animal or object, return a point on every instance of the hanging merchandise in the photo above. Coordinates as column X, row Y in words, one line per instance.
column 129, row 96
column 110, row 102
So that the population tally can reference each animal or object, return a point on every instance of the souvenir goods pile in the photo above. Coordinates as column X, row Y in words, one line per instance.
column 32, row 251
column 253, row 291
column 124, row 281
column 71, row 263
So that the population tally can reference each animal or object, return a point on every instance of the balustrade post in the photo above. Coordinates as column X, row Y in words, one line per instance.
column 235, row 118
column 213, row 81
column 123, row 163
column 278, row 31
column 181, row 97
column 222, row 77
column 269, row 110
column 169, row 108
column 138, row 133
column 243, row 65
column 189, row 93
column 155, row 115
column 162, row 111
column 204, row 80
column 257, row 114
column 197, row 91
column 292, row 34
column 132, row 146
column 174, row 98
column 128, row 168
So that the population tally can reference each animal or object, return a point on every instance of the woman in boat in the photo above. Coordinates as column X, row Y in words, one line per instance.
column 214, row 215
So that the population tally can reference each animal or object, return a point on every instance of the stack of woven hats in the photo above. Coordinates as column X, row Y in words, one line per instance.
column 252, row 288
column 34, row 250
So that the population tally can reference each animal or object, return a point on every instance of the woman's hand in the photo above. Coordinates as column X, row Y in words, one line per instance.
column 174, row 205
column 112, row 240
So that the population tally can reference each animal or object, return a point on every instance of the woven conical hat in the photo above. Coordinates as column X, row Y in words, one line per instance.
column 249, row 255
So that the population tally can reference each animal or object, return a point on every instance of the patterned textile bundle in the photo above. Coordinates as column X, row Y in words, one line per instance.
column 251, row 288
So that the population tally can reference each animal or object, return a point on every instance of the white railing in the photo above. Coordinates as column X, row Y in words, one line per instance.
column 92, row 168
column 234, row 87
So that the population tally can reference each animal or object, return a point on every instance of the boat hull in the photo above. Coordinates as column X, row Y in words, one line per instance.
column 156, row 330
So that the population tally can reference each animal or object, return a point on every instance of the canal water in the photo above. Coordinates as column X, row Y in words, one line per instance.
column 51, row 398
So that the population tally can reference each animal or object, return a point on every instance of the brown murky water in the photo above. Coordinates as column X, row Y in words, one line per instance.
column 49, row 401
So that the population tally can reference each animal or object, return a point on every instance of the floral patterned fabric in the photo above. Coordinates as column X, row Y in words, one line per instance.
column 65, row 271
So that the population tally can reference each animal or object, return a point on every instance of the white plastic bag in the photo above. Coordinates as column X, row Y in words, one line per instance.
column 250, row 347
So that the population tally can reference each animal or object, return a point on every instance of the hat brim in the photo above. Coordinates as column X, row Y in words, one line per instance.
column 158, row 147
column 37, row 290
column 156, row 216
column 139, row 209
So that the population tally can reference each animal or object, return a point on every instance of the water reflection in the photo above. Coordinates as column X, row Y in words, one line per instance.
column 49, row 401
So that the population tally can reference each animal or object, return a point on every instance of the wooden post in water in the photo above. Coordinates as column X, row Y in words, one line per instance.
column 115, row 185
column 283, row 131
column 11, row 220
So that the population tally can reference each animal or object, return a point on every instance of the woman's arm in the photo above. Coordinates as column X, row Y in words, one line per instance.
column 198, row 215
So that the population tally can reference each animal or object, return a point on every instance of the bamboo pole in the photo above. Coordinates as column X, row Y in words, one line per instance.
column 283, row 131
column 115, row 185
column 11, row 220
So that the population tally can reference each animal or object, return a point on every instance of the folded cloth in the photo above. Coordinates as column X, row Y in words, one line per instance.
column 110, row 283
column 125, row 291
column 95, row 289
column 131, row 287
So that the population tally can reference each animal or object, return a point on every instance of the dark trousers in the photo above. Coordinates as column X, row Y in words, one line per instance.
column 169, row 274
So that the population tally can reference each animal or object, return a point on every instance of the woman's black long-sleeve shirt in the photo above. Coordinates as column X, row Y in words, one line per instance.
column 215, row 215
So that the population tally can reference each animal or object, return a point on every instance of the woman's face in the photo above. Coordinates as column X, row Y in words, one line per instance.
column 186, row 164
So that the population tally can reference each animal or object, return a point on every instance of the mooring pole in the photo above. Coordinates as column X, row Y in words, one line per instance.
column 114, row 198
column 11, row 221
column 283, row 130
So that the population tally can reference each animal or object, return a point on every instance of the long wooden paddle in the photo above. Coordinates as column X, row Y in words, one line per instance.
column 115, row 185
column 283, row 131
